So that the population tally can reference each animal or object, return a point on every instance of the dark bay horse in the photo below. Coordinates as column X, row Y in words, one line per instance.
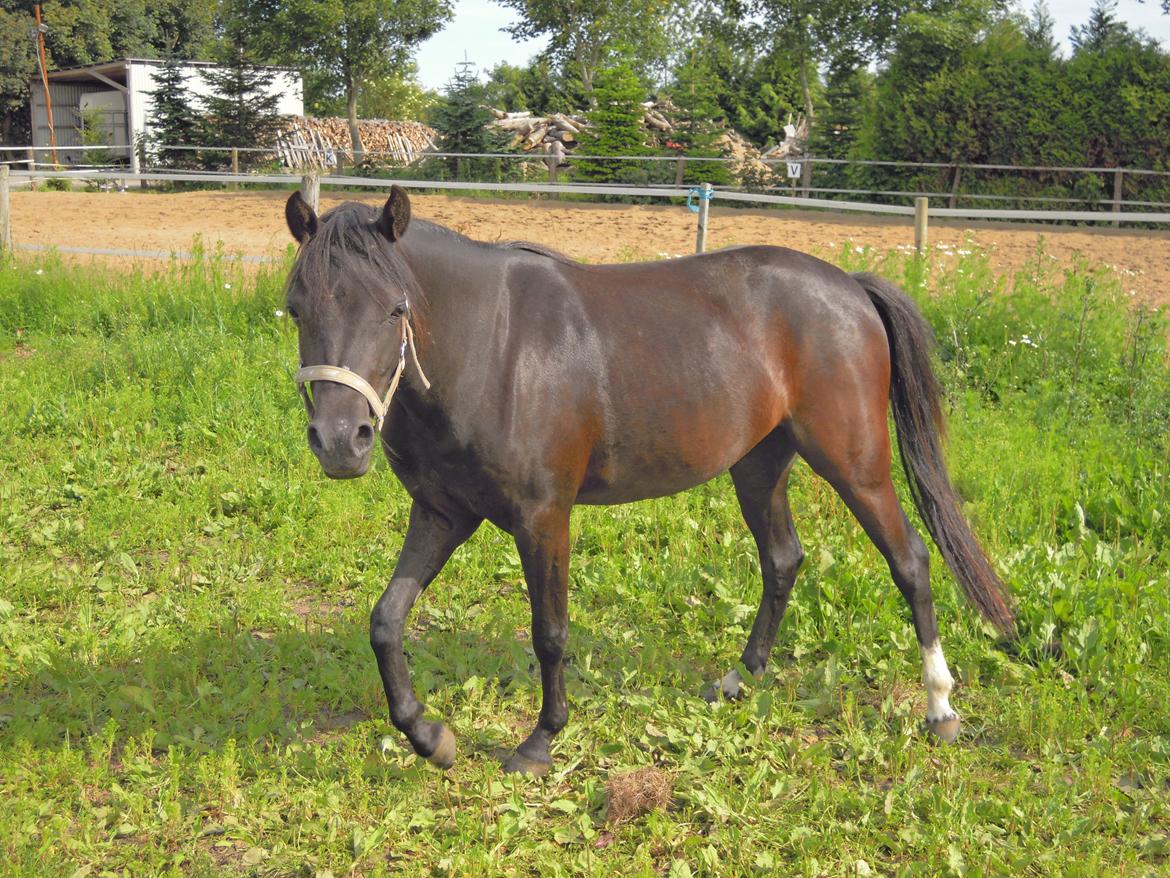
column 538, row 383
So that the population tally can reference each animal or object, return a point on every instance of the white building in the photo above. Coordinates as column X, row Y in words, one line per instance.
column 119, row 91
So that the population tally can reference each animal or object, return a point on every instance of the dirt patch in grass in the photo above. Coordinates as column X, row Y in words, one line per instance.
column 307, row 600
column 329, row 726
column 630, row 795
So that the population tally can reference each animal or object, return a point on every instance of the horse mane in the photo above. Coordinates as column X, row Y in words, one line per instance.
column 539, row 249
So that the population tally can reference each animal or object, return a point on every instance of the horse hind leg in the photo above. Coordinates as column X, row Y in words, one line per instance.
column 856, row 462
column 761, row 485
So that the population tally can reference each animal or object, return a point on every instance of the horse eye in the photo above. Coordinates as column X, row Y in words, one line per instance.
column 292, row 313
column 398, row 312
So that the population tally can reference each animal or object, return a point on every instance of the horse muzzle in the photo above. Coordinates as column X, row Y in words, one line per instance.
column 340, row 433
column 342, row 445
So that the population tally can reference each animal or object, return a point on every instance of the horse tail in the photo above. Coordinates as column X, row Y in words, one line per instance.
column 918, row 418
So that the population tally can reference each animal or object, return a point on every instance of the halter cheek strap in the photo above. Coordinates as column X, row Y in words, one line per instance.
column 379, row 406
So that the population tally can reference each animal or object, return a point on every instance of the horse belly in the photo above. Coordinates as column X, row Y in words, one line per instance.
column 664, row 447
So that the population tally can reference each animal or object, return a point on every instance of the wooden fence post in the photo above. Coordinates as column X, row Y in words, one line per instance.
column 680, row 169
column 235, row 167
column 921, row 212
column 955, row 187
column 704, row 203
column 5, row 215
column 805, row 176
column 556, row 154
column 1117, row 174
column 311, row 190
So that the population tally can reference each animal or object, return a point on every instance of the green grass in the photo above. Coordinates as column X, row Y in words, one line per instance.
column 186, row 685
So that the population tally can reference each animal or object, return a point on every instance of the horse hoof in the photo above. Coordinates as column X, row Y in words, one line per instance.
column 443, row 756
column 727, row 689
column 945, row 729
column 519, row 764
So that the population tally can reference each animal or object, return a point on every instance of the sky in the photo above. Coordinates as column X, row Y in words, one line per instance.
column 475, row 34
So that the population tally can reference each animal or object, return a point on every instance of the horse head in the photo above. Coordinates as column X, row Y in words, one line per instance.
column 350, row 295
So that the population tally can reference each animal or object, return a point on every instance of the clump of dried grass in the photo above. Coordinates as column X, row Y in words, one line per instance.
column 630, row 795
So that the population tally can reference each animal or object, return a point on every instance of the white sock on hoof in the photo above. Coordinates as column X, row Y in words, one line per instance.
column 937, row 679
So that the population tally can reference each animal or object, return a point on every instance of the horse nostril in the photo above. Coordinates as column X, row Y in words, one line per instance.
column 314, row 439
column 364, row 437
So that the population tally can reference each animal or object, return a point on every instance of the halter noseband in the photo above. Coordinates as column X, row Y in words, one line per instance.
column 341, row 375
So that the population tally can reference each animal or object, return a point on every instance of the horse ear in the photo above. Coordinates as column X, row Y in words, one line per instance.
column 395, row 214
column 302, row 222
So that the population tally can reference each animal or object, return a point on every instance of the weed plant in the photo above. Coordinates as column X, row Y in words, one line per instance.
column 186, row 685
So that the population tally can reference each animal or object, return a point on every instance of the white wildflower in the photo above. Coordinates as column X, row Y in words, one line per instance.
column 227, row 286
column 278, row 313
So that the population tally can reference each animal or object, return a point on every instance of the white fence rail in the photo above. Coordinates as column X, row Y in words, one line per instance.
column 724, row 195
column 953, row 177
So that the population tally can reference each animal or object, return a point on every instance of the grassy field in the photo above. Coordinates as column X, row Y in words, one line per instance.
column 186, row 685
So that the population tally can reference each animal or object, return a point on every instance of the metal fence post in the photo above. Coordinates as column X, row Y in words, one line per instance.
column 704, row 202
column 921, row 211
column 311, row 190
column 5, row 215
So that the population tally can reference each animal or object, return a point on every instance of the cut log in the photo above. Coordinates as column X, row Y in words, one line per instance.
column 565, row 124
column 536, row 137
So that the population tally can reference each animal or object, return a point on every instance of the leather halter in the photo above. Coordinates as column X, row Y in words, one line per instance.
column 379, row 406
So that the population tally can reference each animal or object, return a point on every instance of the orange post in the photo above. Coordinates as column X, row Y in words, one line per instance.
column 45, row 80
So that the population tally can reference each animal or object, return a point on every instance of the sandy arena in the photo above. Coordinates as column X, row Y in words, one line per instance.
column 252, row 223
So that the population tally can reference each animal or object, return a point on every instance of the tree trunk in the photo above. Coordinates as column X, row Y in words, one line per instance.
column 585, row 67
column 806, row 92
column 355, row 137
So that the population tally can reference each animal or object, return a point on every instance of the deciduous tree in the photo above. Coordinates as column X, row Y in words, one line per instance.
column 584, row 35
column 349, row 44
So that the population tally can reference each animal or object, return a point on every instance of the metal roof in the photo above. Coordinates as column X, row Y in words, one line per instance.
column 120, row 65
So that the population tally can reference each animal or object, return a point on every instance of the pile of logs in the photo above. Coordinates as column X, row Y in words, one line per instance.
column 764, row 169
column 795, row 142
column 307, row 142
column 654, row 116
column 554, row 136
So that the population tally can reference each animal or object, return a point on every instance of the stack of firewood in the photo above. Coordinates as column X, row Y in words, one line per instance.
column 307, row 142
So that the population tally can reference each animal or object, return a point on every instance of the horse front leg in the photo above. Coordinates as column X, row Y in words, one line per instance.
column 430, row 540
column 543, row 545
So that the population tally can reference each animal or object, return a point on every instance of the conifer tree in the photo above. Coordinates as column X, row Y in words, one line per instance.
column 462, row 122
column 699, row 120
column 617, row 129
column 242, row 110
column 172, row 119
